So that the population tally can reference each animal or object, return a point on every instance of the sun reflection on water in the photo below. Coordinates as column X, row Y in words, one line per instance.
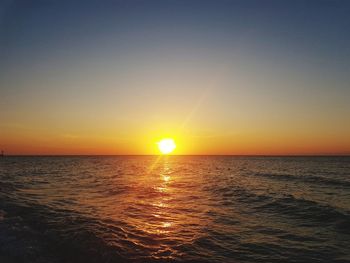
column 155, row 210
column 162, row 207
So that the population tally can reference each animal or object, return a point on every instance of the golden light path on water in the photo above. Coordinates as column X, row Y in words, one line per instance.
column 166, row 223
column 152, row 208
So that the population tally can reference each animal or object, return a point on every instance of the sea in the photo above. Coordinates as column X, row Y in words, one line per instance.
column 174, row 209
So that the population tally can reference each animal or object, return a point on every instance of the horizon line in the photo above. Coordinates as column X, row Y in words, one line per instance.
column 232, row 155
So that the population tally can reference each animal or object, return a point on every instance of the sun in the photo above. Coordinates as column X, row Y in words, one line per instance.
column 166, row 146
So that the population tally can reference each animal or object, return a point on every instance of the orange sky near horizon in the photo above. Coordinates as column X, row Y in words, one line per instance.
column 219, row 145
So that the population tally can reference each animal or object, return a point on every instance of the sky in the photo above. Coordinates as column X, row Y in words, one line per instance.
column 220, row 77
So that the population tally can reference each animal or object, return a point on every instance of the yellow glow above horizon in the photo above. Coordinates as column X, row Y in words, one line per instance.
column 166, row 146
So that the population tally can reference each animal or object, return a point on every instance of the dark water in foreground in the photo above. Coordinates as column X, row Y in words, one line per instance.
column 175, row 209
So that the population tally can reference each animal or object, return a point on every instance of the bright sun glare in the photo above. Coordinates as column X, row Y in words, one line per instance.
column 166, row 146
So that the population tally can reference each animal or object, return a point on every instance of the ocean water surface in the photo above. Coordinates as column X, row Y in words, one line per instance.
column 174, row 209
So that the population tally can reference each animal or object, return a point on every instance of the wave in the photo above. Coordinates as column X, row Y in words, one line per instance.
column 304, row 212
column 36, row 233
column 309, row 212
column 307, row 179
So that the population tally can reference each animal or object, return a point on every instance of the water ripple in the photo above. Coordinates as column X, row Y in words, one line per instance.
column 175, row 209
